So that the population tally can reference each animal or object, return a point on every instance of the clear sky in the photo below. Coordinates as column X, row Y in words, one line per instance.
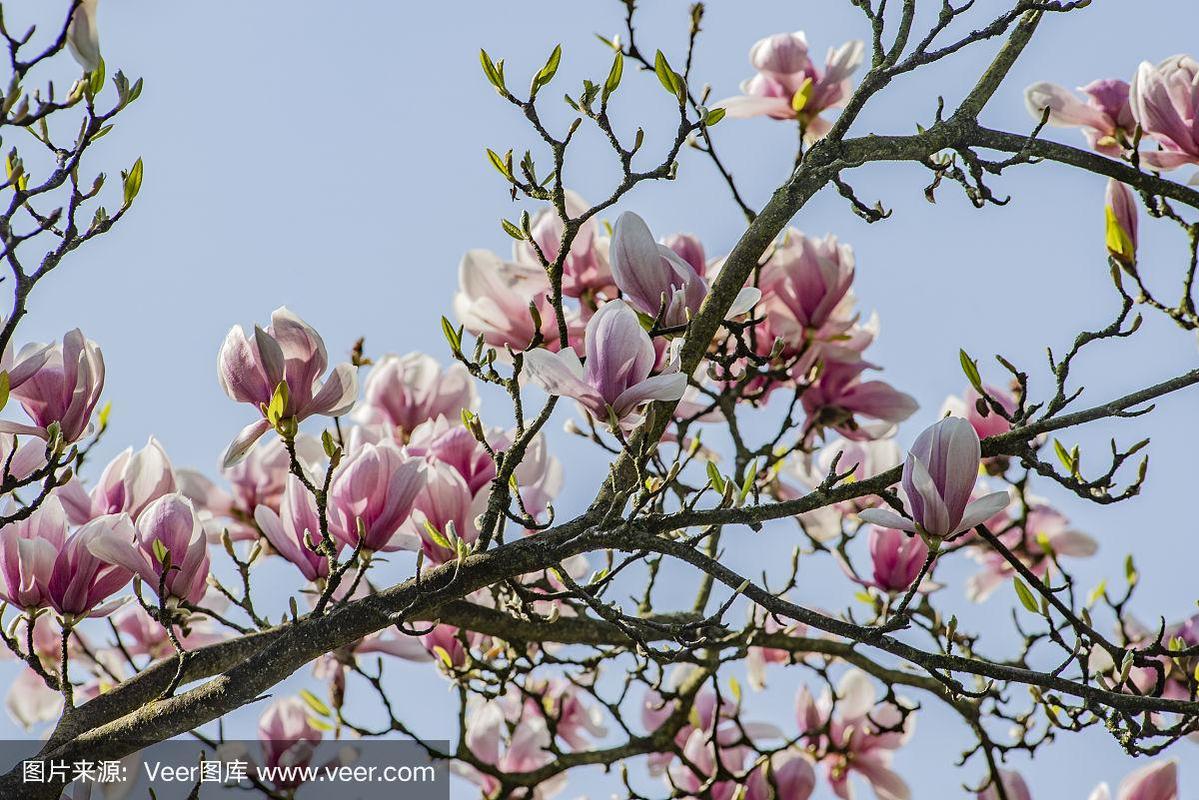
column 329, row 156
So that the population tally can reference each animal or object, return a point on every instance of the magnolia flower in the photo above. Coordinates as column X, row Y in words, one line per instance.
column 840, row 395
column 1120, row 214
column 787, row 776
column 896, row 557
column 1044, row 529
column 28, row 548
column 616, row 379
column 862, row 459
column 1165, row 102
column 688, row 247
column 129, row 483
column 257, row 480
column 966, row 407
column 575, row 721
column 404, row 391
column 444, row 509
column 288, row 352
column 445, row 643
column 938, row 477
column 694, row 776
column 168, row 547
column 80, row 581
column 804, row 282
column 141, row 634
column 65, row 387
column 790, row 86
column 371, row 496
column 494, row 299
column 30, row 701
column 1156, row 781
column 658, row 282
column 1013, row 786
column 866, row 730
column 1105, row 117
column 524, row 750
column 585, row 269
column 295, row 529
column 83, row 37
column 757, row 658
column 288, row 737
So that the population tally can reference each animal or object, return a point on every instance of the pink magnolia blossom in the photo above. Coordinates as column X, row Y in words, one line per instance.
column 1165, row 102
column 493, row 301
column 522, row 749
column 840, row 395
column 30, row 701
column 405, row 391
column 789, row 85
column 257, row 480
column 287, row 735
column 80, row 582
column 938, row 478
column 804, row 283
column 758, row 658
column 129, row 483
column 860, row 731
column 616, row 379
column 28, row 548
column 557, row 700
column 657, row 281
column 375, row 487
column 1156, row 781
column 169, row 524
column 446, row 505
column 444, row 643
column 1013, row 785
column 65, row 388
column 1105, row 117
column 693, row 776
column 966, row 407
column 291, row 530
column 585, row 269
column 896, row 557
column 864, row 458
column 83, row 37
column 1045, row 528
column 688, row 247
column 787, row 776
column 289, row 351
column 142, row 635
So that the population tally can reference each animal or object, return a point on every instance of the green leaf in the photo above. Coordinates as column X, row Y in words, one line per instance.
column 1096, row 593
column 494, row 76
column 715, row 477
column 95, row 80
column 970, row 367
column 713, row 116
column 549, row 70
column 454, row 337
column 133, row 181
column 1027, row 598
column 799, row 100
column 513, row 231
column 437, row 536
column 614, row 75
column 1063, row 455
column 328, row 443
column 751, row 473
column 160, row 551
column 501, row 163
column 1130, row 570
column 669, row 79
column 315, row 703
column 278, row 404
column 4, row 389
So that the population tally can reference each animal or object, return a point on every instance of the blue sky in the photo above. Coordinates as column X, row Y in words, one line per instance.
column 330, row 157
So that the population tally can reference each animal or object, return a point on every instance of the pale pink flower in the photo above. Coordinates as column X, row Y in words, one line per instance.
column 289, row 351
column 80, row 582
column 938, row 478
column 493, row 301
column 64, row 389
column 28, row 548
column 1013, row 785
column 896, row 557
column 1165, row 101
column 295, row 530
column 1156, row 781
column 445, row 505
column 789, row 85
column 83, row 36
column 372, row 495
column 788, row 776
column 405, row 391
column 966, row 407
column 287, row 735
column 30, row 701
column 171, row 527
column 521, row 749
column 129, row 483
column 1105, row 117
column 585, row 269
column 839, row 396
column 1045, row 527
column 616, row 379
column 688, row 247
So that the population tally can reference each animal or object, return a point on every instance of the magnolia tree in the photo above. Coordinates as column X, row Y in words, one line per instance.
column 131, row 590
